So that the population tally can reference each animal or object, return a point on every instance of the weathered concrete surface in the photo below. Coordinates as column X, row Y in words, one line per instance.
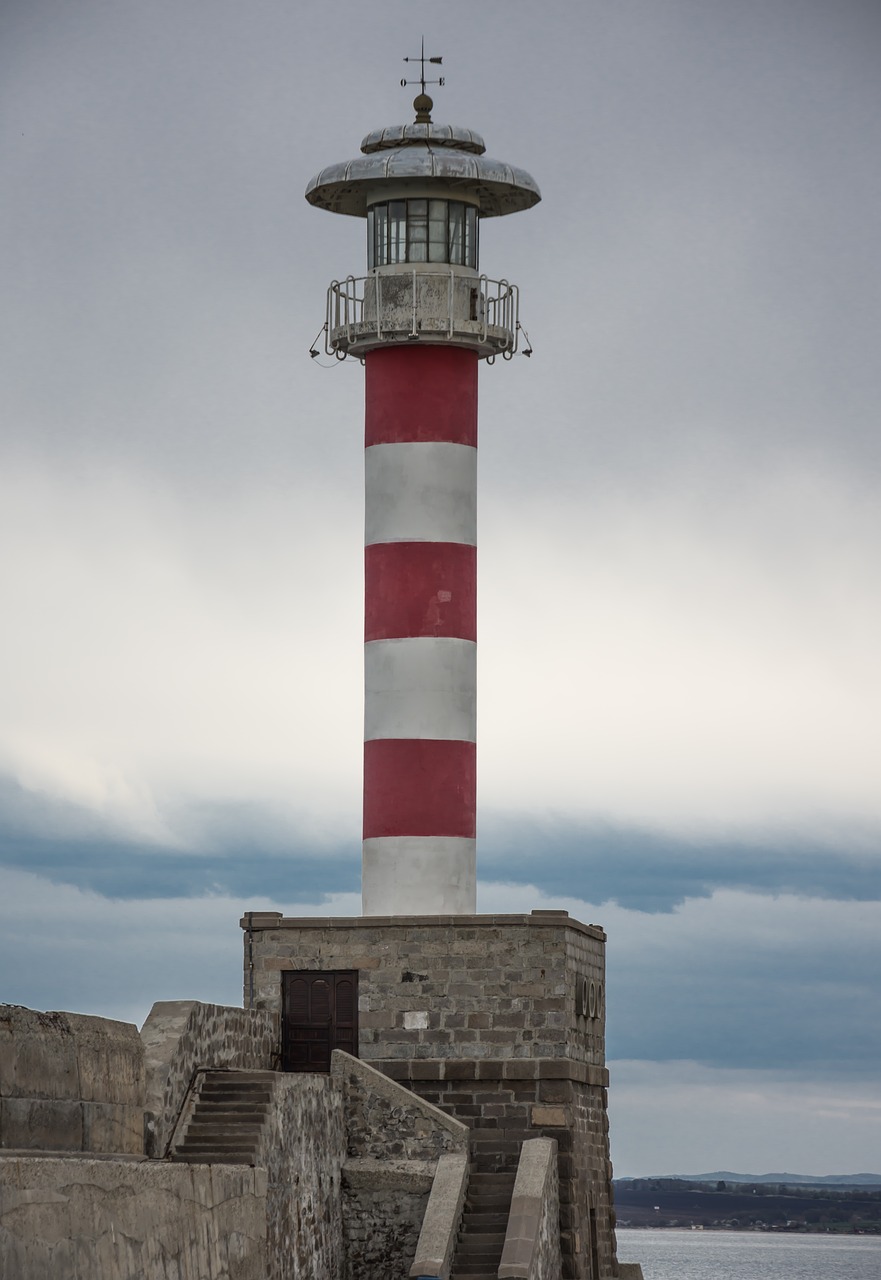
column 81, row 1219
column 181, row 1036
column 70, row 1082
column 440, row 1226
column 532, row 1241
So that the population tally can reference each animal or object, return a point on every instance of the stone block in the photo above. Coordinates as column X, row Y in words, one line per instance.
column 41, row 1124
column 546, row 1116
column 44, row 1057
column 113, row 1128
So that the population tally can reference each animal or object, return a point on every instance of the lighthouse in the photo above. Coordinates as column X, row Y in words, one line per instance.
column 421, row 318
column 497, row 1020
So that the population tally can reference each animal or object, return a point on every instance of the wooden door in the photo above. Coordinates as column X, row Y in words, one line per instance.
column 319, row 1014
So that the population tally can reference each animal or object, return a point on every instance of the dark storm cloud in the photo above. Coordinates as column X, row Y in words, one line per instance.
column 760, row 983
column 237, row 850
column 650, row 871
column 245, row 848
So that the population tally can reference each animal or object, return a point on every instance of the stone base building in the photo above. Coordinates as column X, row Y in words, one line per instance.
column 498, row 1020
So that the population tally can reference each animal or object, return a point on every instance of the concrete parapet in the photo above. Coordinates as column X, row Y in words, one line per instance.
column 70, row 1082
column 443, row 1216
column 131, row 1220
column 532, row 1240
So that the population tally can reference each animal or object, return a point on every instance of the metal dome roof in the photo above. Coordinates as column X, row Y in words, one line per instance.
column 437, row 135
column 424, row 152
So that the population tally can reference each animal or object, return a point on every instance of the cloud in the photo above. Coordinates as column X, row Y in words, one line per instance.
column 675, row 668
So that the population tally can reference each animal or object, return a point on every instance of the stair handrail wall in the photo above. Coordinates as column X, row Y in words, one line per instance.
column 532, row 1240
column 184, row 1112
column 443, row 1218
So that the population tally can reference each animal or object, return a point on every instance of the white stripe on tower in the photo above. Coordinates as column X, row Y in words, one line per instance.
column 421, row 492
column 421, row 687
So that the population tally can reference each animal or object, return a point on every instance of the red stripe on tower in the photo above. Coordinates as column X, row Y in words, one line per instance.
column 421, row 394
column 416, row 787
column 420, row 589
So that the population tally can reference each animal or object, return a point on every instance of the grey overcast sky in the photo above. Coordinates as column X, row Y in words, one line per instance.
column 680, row 593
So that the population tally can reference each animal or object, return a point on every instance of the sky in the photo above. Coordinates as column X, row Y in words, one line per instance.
column 680, row 581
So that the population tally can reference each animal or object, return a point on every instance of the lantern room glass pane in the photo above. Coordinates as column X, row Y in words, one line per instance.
column 470, row 236
column 417, row 230
column 381, row 235
column 371, row 243
column 437, row 231
column 457, row 233
column 397, row 221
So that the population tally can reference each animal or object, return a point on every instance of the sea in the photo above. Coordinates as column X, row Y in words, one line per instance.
column 749, row 1255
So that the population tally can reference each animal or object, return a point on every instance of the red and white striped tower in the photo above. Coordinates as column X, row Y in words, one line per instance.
column 420, row 320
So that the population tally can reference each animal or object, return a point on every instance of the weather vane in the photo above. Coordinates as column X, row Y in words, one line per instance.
column 422, row 61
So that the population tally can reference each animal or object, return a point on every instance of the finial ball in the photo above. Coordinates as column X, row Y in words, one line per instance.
column 422, row 105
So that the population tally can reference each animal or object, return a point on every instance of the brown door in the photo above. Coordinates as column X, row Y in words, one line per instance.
column 319, row 1014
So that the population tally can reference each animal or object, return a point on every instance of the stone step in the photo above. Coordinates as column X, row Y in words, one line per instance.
column 225, row 1119
column 482, row 1242
column 233, row 1098
column 232, row 1073
column 484, row 1221
column 248, row 1096
column 488, row 1202
column 213, row 1116
column 201, row 1157
column 220, row 1140
column 230, row 1082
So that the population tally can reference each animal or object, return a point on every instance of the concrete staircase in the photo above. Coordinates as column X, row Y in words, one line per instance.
column 484, row 1222
column 227, row 1118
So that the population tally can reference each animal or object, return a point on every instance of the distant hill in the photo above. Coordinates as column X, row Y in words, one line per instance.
column 725, row 1201
column 786, row 1179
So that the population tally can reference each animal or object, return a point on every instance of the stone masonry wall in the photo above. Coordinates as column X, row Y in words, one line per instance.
column 126, row 1219
column 181, row 1036
column 393, row 1142
column 446, row 986
column 498, row 1020
column 592, row 1212
column 302, row 1150
column 69, row 1082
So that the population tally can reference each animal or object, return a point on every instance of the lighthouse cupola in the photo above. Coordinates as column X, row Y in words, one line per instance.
column 423, row 189
column 421, row 318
